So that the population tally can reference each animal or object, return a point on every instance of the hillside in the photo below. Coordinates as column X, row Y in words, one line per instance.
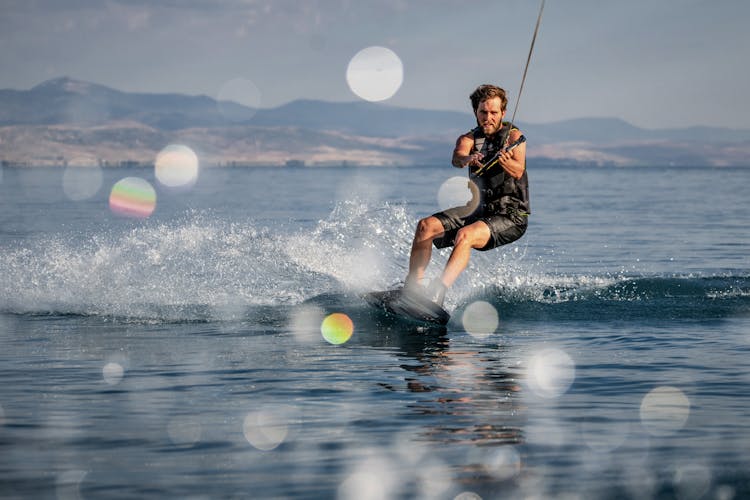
column 68, row 121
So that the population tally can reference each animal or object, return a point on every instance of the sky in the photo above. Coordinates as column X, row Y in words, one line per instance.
column 655, row 64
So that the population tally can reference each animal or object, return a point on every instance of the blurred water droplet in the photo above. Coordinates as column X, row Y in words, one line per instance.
column 265, row 429
column 664, row 410
column 375, row 73
column 81, row 183
column 176, row 166
column 691, row 481
column 238, row 100
column 113, row 373
column 337, row 328
column 467, row 495
column 373, row 478
column 480, row 319
column 458, row 192
column 133, row 197
column 184, row 430
column 550, row 373
column 305, row 323
column 68, row 484
column 504, row 463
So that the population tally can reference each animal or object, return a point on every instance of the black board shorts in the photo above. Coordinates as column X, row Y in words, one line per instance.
column 504, row 229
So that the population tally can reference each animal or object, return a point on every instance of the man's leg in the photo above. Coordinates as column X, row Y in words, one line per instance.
column 475, row 235
column 428, row 229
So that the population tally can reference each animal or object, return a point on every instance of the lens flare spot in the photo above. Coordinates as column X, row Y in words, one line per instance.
column 603, row 434
column 547, row 432
column 184, row 431
column 238, row 100
column 550, row 373
column 81, row 183
column 457, row 192
column 468, row 495
column 664, row 410
column 434, row 479
column 68, row 484
column 113, row 373
column 375, row 477
column 692, row 481
column 176, row 166
column 305, row 323
column 503, row 463
column 725, row 492
column 337, row 328
column 480, row 319
column 353, row 487
column 410, row 451
column 229, row 309
column 375, row 73
column 265, row 429
column 133, row 197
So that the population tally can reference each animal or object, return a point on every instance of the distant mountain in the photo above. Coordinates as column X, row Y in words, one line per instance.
column 66, row 120
column 68, row 101
column 604, row 130
column 364, row 118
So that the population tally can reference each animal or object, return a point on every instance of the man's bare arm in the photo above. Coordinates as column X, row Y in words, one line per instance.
column 514, row 162
column 461, row 153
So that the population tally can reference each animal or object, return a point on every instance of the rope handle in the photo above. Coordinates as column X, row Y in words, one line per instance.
column 493, row 160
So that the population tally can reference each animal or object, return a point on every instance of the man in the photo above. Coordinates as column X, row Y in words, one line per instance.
column 499, row 209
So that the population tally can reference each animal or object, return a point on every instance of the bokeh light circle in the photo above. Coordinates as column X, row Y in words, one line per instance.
column 550, row 373
column 693, row 481
column 68, row 484
column 375, row 73
column 133, row 197
column 184, row 430
column 480, row 319
column 81, row 183
column 602, row 434
column 368, row 485
column 238, row 100
column 372, row 477
column 664, row 410
column 434, row 479
column 458, row 192
column 468, row 495
column 337, row 328
column 113, row 373
column 265, row 429
column 305, row 322
column 504, row 462
column 176, row 166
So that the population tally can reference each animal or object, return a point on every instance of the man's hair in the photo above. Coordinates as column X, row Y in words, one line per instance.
column 484, row 92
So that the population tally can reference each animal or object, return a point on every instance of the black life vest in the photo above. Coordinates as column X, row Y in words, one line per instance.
column 500, row 193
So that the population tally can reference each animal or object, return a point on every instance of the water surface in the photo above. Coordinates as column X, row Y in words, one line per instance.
column 181, row 355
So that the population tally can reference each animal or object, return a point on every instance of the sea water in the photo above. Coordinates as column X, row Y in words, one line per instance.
column 182, row 354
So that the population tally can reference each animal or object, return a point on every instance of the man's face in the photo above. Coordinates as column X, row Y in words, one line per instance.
column 490, row 115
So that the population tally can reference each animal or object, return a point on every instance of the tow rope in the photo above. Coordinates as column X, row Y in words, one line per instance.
column 493, row 160
column 528, row 61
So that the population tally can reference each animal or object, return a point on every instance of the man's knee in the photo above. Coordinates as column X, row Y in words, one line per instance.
column 474, row 236
column 463, row 237
column 429, row 228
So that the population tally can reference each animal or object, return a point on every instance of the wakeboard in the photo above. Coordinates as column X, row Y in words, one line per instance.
column 409, row 306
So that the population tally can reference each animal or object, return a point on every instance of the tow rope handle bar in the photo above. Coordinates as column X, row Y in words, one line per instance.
column 492, row 161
